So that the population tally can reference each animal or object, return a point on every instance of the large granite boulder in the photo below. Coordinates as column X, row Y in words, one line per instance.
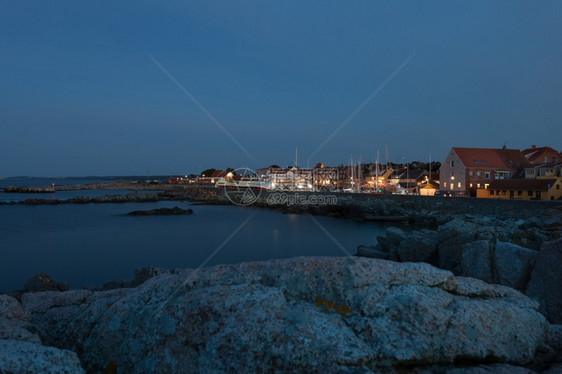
column 546, row 278
column 454, row 235
column 419, row 246
column 395, row 235
column 398, row 245
column 511, row 241
column 21, row 350
column 477, row 261
column 502, row 263
column 301, row 314
column 513, row 265
column 373, row 251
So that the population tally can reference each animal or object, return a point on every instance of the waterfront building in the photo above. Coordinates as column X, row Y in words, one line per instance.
column 469, row 169
column 523, row 189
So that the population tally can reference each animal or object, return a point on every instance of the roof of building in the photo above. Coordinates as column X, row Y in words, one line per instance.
column 412, row 174
column 522, row 184
column 430, row 184
column 218, row 174
column 491, row 157
column 533, row 154
column 552, row 165
column 513, row 158
column 479, row 157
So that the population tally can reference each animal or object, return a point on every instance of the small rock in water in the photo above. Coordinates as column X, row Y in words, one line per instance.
column 162, row 212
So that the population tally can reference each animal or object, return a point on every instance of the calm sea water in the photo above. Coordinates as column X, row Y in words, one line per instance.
column 93, row 243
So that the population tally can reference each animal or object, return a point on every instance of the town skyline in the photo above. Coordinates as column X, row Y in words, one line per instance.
column 117, row 89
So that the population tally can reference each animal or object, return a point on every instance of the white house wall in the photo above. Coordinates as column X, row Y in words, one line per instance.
column 452, row 173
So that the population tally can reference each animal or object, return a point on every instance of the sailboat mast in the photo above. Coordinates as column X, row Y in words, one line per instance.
column 352, row 182
column 359, row 175
column 377, row 171
column 386, row 157
column 429, row 179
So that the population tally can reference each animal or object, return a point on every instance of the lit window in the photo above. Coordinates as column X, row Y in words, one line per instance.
column 478, row 185
column 459, row 184
column 486, row 185
column 471, row 185
column 444, row 184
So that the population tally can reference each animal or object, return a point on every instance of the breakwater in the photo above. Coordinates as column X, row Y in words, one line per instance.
column 422, row 210
column 419, row 210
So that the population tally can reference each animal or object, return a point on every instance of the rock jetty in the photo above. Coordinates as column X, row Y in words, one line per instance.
column 33, row 189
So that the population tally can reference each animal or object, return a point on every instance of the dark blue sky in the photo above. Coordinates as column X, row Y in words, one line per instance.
column 80, row 95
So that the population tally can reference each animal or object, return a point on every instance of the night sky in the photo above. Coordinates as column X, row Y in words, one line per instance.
column 136, row 88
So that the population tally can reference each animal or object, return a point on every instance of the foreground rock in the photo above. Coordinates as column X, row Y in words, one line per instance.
column 175, row 211
column 21, row 350
column 302, row 314
column 546, row 281
column 500, row 262
column 522, row 254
